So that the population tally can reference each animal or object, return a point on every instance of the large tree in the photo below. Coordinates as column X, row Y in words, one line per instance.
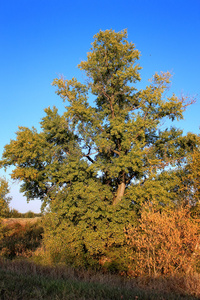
column 119, row 135
column 109, row 151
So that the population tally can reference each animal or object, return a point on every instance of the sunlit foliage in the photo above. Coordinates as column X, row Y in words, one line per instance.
column 164, row 243
column 4, row 198
column 96, row 164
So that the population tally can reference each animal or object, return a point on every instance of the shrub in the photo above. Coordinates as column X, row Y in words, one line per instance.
column 20, row 239
column 29, row 214
column 163, row 243
column 97, row 241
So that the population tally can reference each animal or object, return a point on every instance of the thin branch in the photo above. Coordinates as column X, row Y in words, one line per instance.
column 89, row 158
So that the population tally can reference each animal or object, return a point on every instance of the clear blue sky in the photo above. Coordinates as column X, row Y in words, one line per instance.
column 40, row 39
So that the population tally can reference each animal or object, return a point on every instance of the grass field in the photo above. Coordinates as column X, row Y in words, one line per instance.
column 22, row 221
column 23, row 280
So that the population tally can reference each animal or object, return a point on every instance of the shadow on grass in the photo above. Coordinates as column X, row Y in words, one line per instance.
column 26, row 280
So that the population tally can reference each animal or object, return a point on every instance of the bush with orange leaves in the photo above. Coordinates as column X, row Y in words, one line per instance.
column 164, row 243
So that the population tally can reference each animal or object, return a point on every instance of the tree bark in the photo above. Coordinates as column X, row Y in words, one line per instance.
column 120, row 193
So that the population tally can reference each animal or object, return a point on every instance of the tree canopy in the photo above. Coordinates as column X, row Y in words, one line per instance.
column 117, row 140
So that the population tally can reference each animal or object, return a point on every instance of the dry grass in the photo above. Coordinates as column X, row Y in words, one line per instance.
column 179, row 287
column 21, row 221
column 62, row 272
column 182, row 284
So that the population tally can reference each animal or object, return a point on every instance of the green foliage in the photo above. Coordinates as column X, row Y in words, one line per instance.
column 84, row 232
column 191, row 178
column 94, row 165
column 4, row 198
column 118, row 142
column 29, row 214
column 14, row 213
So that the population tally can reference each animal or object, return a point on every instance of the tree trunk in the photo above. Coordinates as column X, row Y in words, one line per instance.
column 120, row 193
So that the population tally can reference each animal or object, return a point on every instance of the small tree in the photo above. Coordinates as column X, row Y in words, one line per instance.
column 4, row 198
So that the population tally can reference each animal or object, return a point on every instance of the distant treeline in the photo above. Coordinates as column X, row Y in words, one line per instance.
column 14, row 213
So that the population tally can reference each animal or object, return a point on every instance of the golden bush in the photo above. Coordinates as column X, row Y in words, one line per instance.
column 164, row 243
